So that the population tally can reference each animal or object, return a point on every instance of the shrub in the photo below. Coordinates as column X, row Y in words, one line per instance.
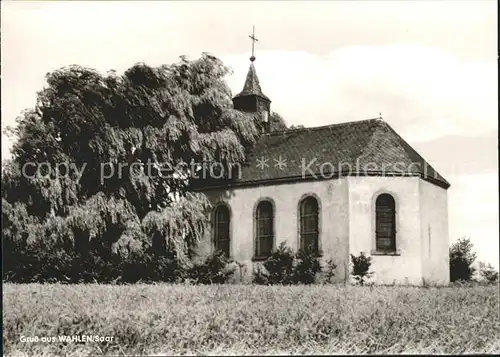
column 330, row 270
column 214, row 270
column 488, row 272
column 260, row 275
column 461, row 259
column 153, row 267
column 91, row 267
column 360, row 267
column 306, row 267
column 279, row 265
column 286, row 267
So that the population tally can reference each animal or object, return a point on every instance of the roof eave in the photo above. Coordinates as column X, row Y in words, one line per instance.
column 292, row 179
column 243, row 94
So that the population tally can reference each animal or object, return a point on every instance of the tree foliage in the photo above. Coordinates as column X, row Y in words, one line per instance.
column 101, row 163
column 462, row 258
column 488, row 272
column 279, row 124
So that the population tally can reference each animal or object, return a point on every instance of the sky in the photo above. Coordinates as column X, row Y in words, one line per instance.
column 428, row 67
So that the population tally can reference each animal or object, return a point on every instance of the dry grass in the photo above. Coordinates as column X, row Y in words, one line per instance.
column 235, row 320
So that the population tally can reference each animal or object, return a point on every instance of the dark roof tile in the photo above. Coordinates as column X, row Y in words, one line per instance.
column 369, row 147
column 252, row 85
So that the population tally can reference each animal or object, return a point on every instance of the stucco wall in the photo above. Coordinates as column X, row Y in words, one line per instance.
column 405, row 268
column 434, row 233
column 333, row 222
column 347, row 224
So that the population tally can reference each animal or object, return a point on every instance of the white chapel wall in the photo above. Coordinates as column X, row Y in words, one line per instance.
column 405, row 268
column 347, row 224
column 434, row 233
column 333, row 218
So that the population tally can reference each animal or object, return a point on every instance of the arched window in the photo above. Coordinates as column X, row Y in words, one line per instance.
column 309, row 224
column 264, row 229
column 222, row 218
column 385, row 223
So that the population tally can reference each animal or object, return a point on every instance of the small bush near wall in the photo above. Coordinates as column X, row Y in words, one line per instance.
column 260, row 275
column 280, row 265
column 361, row 267
column 286, row 267
column 216, row 269
column 330, row 271
column 306, row 268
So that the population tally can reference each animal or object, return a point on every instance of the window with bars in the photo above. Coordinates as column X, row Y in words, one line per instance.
column 385, row 223
column 264, row 229
column 309, row 224
column 222, row 220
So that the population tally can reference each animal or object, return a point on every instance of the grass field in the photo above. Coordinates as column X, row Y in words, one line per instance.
column 243, row 319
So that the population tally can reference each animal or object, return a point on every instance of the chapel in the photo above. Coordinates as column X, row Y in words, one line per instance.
column 339, row 189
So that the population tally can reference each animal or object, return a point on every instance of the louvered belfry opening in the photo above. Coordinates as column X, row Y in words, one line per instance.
column 385, row 225
column 222, row 229
column 264, row 229
column 309, row 224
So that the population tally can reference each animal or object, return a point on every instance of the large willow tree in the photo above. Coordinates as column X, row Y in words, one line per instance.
column 123, row 144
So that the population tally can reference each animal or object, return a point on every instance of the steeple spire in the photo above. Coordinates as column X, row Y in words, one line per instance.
column 252, row 85
column 251, row 99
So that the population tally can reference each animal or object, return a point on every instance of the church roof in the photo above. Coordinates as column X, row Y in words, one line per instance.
column 366, row 147
column 252, row 85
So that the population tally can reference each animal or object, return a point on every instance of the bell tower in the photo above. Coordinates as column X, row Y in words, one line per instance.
column 251, row 99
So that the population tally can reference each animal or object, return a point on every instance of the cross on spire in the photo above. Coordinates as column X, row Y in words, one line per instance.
column 254, row 39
